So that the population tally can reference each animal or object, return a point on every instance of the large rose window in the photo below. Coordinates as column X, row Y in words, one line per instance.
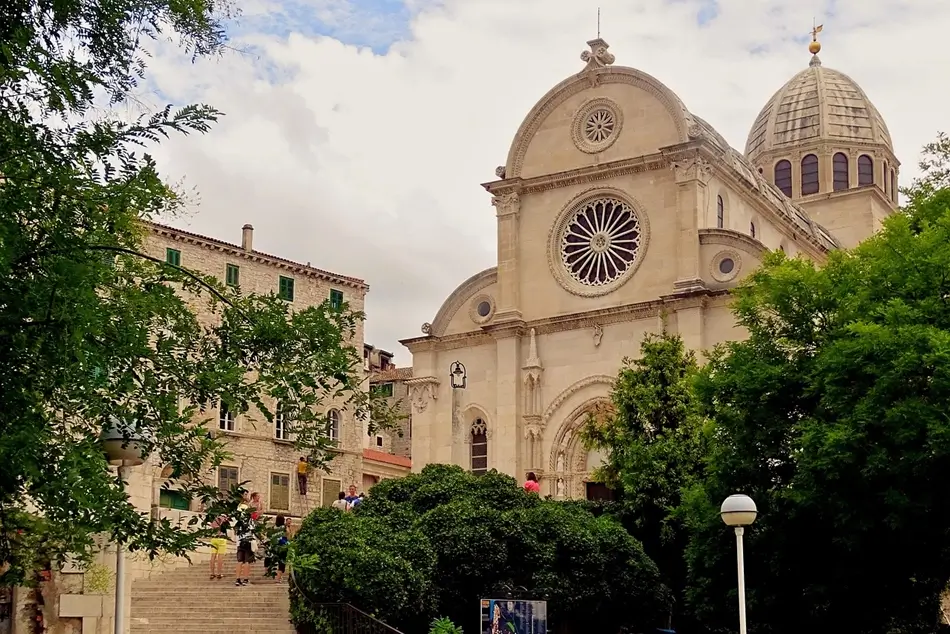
column 600, row 241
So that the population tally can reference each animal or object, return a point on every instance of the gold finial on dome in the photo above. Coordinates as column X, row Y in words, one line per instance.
column 814, row 46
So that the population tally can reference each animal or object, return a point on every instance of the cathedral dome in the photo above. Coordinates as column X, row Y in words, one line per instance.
column 817, row 106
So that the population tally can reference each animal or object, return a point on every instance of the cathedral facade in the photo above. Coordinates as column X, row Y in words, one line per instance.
column 620, row 211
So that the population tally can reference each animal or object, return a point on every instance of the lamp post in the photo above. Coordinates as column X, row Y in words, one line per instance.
column 457, row 380
column 739, row 511
column 124, row 448
column 457, row 376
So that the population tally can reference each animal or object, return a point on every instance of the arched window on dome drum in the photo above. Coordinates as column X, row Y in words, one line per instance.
column 479, row 455
column 865, row 170
column 886, row 186
column 894, row 191
column 839, row 164
column 720, row 213
column 783, row 177
column 810, row 184
column 752, row 229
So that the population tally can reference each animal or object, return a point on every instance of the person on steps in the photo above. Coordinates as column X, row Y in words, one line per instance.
column 244, row 532
column 340, row 503
column 219, row 546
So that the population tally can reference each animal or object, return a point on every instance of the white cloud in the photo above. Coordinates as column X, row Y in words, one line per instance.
column 369, row 165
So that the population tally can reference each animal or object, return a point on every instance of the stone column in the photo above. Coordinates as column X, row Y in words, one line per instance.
column 692, row 174
column 507, row 208
column 505, row 444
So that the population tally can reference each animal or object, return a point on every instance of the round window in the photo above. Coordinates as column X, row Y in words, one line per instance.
column 600, row 241
column 726, row 265
column 483, row 309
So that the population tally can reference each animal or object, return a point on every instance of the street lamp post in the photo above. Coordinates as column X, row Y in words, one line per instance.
column 124, row 448
column 457, row 380
column 739, row 511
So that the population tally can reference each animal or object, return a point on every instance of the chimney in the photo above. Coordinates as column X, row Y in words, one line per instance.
column 247, row 238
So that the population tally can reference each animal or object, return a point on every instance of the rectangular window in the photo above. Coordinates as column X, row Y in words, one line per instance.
column 233, row 275
column 479, row 453
column 281, row 431
column 173, row 500
column 379, row 441
column 336, row 299
column 385, row 389
column 227, row 478
column 285, row 288
column 330, row 491
column 225, row 417
column 280, row 491
column 173, row 257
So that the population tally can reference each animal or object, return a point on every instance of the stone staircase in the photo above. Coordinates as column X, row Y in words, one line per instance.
column 186, row 600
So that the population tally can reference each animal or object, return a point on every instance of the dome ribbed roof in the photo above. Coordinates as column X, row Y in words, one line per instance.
column 817, row 104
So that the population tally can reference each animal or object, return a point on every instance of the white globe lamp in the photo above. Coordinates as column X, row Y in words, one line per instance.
column 738, row 511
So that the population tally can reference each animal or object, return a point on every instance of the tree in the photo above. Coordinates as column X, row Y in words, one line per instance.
column 482, row 536
column 652, row 436
column 832, row 416
column 91, row 330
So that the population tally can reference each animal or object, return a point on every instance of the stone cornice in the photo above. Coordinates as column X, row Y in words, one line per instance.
column 827, row 146
column 580, row 176
column 574, row 321
column 762, row 204
column 874, row 190
column 731, row 238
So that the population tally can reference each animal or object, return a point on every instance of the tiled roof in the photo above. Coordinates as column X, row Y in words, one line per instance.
column 392, row 374
column 236, row 250
column 388, row 458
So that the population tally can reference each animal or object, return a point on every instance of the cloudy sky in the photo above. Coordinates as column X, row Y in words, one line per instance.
column 357, row 132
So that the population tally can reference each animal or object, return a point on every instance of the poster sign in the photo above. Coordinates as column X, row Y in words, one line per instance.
column 511, row 616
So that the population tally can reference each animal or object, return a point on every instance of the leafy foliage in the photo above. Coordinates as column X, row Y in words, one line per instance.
column 91, row 329
column 444, row 626
column 832, row 416
column 470, row 538
column 653, row 438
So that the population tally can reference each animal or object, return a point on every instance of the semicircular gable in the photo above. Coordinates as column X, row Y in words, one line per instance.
column 550, row 102
column 465, row 291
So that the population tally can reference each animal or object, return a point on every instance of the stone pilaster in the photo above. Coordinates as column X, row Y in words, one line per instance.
column 508, row 207
column 692, row 175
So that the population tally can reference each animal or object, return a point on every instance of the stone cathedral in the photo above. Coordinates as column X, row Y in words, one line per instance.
column 619, row 210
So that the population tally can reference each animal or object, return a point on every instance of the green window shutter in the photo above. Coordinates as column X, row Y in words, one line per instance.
column 173, row 500
column 233, row 275
column 336, row 299
column 173, row 257
column 285, row 288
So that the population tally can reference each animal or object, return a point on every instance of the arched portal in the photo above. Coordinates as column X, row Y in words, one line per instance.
column 571, row 463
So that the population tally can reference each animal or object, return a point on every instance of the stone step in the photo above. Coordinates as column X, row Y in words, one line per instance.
column 204, row 629
column 164, row 586
column 157, row 613
column 234, row 624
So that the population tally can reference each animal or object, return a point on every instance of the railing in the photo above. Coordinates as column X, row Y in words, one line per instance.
column 343, row 618
column 337, row 618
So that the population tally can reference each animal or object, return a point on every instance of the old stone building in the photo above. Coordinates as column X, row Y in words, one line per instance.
column 389, row 447
column 620, row 210
column 263, row 452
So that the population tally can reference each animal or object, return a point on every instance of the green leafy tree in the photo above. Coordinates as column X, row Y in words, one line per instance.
column 653, row 438
column 483, row 536
column 833, row 417
column 91, row 330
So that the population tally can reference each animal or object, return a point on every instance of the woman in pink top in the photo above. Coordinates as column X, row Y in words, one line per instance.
column 531, row 485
